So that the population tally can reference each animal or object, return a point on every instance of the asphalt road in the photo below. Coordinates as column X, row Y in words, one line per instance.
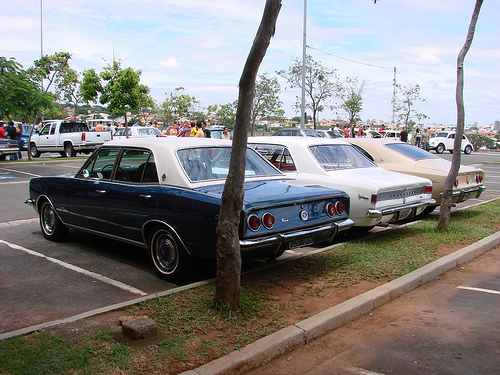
column 42, row 281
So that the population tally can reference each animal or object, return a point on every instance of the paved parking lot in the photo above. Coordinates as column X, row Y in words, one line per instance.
column 42, row 281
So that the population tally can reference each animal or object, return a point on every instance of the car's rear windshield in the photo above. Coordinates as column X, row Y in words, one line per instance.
column 212, row 163
column 410, row 151
column 334, row 157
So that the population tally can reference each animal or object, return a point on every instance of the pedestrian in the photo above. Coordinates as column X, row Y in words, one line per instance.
column 425, row 139
column 199, row 131
column 194, row 130
column 225, row 134
column 361, row 132
column 346, row 131
column 403, row 136
column 19, row 133
column 418, row 137
column 12, row 134
column 2, row 129
column 206, row 131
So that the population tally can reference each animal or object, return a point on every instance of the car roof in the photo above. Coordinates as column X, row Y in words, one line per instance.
column 291, row 140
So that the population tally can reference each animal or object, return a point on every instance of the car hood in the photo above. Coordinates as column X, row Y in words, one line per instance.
column 379, row 178
column 275, row 192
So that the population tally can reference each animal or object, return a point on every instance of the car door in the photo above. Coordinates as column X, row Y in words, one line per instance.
column 130, row 199
column 88, row 191
column 46, row 136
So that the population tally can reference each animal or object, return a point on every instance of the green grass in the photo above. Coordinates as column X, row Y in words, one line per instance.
column 194, row 333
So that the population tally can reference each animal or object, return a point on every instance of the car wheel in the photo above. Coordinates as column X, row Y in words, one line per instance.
column 34, row 151
column 468, row 150
column 440, row 148
column 169, row 260
column 69, row 150
column 52, row 227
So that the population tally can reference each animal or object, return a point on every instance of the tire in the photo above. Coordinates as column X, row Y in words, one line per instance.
column 52, row 227
column 169, row 260
column 468, row 150
column 427, row 210
column 34, row 151
column 63, row 154
column 69, row 150
column 440, row 148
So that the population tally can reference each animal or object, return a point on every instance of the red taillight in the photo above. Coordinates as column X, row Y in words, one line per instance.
column 254, row 222
column 340, row 208
column 455, row 183
column 330, row 208
column 268, row 220
column 479, row 178
column 428, row 189
column 374, row 198
column 83, row 136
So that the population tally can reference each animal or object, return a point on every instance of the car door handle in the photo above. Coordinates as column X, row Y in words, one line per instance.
column 101, row 192
column 145, row 196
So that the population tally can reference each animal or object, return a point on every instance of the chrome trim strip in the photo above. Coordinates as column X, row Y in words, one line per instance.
column 394, row 209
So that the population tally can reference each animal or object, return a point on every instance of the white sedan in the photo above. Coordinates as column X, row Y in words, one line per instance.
column 378, row 196
column 137, row 132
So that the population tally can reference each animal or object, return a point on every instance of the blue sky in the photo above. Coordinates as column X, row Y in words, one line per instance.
column 202, row 45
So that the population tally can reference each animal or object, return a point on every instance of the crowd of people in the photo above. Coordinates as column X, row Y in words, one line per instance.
column 13, row 132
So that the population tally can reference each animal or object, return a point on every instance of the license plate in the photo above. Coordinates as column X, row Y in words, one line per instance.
column 403, row 214
column 301, row 242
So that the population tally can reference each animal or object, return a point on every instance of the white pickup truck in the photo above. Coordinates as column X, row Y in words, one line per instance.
column 66, row 137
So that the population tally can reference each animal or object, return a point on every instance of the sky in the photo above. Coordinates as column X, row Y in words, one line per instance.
column 203, row 45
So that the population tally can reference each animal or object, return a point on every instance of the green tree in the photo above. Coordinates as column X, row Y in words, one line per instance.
column 351, row 98
column 70, row 87
column 404, row 106
column 479, row 140
column 178, row 105
column 266, row 101
column 51, row 71
column 226, row 113
column 321, row 84
column 21, row 97
column 119, row 88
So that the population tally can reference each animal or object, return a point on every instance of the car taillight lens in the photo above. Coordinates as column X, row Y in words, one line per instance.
column 254, row 222
column 479, row 178
column 330, row 208
column 268, row 220
column 428, row 189
column 340, row 208
column 83, row 136
column 455, row 183
column 374, row 198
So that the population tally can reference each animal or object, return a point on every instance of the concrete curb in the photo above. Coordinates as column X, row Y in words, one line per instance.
column 267, row 348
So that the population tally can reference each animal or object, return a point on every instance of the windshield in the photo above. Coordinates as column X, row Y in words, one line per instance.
column 334, row 157
column 211, row 163
column 148, row 131
column 410, row 151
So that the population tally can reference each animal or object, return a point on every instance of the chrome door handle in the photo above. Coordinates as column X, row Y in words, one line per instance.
column 145, row 196
column 101, row 192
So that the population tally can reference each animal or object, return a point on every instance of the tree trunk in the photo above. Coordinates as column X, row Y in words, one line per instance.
column 446, row 203
column 227, row 282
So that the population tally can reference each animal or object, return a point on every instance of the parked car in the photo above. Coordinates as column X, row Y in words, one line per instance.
column 8, row 147
column 66, row 137
column 378, row 196
column 330, row 134
column 137, row 132
column 25, row 136
column 444, row 140
column 402, row 157
column 297, row 132
column 392, row 134
column 164, row 195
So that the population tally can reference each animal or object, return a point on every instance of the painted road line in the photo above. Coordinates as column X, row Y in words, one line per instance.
column 22, row 172
column 94, row 275
column 479, row 289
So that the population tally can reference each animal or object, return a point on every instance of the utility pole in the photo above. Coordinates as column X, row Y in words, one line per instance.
column 304, row 55
column 393, row 98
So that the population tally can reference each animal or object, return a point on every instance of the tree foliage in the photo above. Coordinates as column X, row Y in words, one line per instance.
column 115, row 86
column 321, row 84
column 405, row 105
column 479, row 140
column 178, row 105
column 266, row 101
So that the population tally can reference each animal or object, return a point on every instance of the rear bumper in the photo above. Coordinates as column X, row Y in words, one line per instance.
column 396, row 209
column 280, row 240
column 464, row 194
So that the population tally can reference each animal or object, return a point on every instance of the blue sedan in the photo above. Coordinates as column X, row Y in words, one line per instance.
column 164, row 195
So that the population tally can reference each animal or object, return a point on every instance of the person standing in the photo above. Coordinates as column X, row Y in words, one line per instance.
column 225, row 134
column 194, row 129
column 199, row 131
column 205, row 130
column 12, row 134
column 19, row 133
column 2, row 129
column 403, row 137
column 425, row 140
column 418, row 138
column 346, row 131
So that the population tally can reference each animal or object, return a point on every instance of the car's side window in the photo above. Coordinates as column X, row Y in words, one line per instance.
column 46, row 129
column 101, row 166
column 136, row 166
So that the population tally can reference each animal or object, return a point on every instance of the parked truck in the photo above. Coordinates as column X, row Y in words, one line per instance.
column 66, row 137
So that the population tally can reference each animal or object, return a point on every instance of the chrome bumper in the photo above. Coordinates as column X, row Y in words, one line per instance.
column 281, row 239
column 396, row 209
column 465, row 194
